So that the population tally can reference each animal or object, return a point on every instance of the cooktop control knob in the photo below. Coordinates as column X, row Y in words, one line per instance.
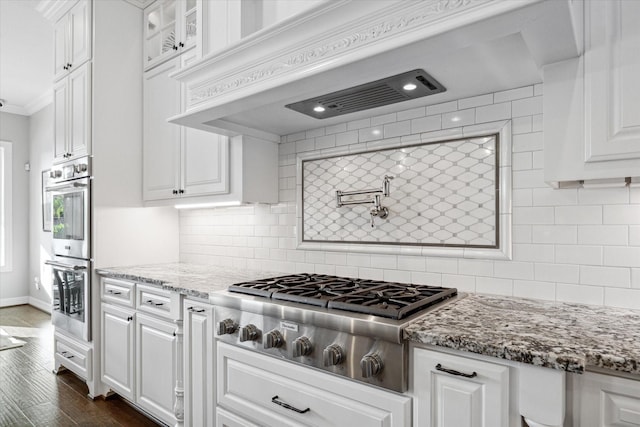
column 371, row 365
column 333, row 355
column 55, row 173
column 249, row 333
column 273, row 339
column 82, row 167
column 227, row 326
column 302, row 347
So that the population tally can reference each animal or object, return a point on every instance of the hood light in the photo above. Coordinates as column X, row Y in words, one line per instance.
column 208, row 205
column 409, row 86
column 318, row 109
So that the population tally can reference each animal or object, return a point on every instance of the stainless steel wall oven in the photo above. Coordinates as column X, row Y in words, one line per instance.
column 71, row 228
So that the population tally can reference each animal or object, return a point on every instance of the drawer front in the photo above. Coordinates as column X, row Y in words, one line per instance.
column 158, row 301
column 118, row 292
column 271, row 392
column 73, row 356
column 227, row 419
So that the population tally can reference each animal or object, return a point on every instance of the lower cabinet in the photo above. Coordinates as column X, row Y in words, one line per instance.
column 457, row 391
column 199, row 377
column 117, row 359
column 270, row 392
column 605, row 401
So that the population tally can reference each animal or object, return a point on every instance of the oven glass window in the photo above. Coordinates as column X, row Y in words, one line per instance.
column 68, row 216
column 68, row 293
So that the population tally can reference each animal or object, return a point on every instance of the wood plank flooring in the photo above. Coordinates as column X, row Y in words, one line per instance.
column 31, row 395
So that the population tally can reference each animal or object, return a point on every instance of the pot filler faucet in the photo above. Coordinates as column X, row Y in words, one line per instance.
column 377, row 210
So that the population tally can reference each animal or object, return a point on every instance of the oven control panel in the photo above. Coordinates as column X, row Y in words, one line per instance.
column 366, row 359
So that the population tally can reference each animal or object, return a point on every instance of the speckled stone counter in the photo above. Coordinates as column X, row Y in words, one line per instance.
column 189, row 279
column 563, row 336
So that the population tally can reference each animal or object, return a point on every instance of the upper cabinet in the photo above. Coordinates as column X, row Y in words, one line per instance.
column 171, row 28
column 72, row 39
column 591, row 109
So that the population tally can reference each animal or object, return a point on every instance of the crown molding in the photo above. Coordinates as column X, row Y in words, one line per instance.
column 140, row 3
column 39, row 103
column 14, row 109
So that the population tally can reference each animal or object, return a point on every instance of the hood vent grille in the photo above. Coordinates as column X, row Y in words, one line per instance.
column 398, row 88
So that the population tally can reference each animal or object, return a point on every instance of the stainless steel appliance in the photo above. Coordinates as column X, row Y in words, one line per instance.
column 70, row 190
column 348, row 327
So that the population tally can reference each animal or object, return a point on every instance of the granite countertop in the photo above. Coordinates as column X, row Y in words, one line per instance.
column 189, row 279
column 563, row 336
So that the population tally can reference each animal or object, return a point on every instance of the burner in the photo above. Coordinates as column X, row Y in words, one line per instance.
column 393, row 300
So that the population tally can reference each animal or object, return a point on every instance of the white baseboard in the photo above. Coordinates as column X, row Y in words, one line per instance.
column 40, row 305
column 8, row 302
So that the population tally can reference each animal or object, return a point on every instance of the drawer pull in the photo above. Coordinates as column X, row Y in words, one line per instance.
column 152, row 302
column 275, row 400
column 454, row 372
column 69, row 357
column 112, row 292
column 196, row 310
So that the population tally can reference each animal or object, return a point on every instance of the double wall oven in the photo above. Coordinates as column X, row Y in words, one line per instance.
column 70, row 189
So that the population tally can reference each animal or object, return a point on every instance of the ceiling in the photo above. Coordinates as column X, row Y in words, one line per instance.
column 26, row 57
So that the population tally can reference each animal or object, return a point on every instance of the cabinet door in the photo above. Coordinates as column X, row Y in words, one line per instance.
column 79, row 127
column 198, row 364
column 161, row 38
column 79, row 42
column 60, row 115
column 60, row 37
column 161, row 140
column 117, row 355
column 606, row 401
column 444, row 399
column 156, row 370
column 612, row 87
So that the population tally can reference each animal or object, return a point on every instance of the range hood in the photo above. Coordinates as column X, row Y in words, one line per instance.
column 471, row 47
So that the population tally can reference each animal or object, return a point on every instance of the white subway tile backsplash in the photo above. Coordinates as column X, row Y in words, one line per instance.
column 511, row 94
column 623, row 298
column 603, row 234
column 566, row 234
column 578, row 215
column 534, row 289
column 622, row 256
column 605, row 276
column 513, row 270
column 579, row 254
column 458, row 118
column 445, row 107
column 567, row 292
column 629, row 214
column 526, row 106
column 491, row 285
column 575, row 245
column 491, row 113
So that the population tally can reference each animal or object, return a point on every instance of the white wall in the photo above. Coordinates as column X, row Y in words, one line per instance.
column 576, row 245
column 14, row 284
column 41, row 155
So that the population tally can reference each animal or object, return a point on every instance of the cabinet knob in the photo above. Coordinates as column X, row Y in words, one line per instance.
column 175, row 47
column 65, row 68
column 129, row 319
column 175, row 191
column 181, row 44
column 181, row 191
column 68, row 66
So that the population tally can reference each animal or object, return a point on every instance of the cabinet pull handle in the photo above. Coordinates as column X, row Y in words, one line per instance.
column 129, row 319
column 454, row 372
column 152, row 302
column 275, row 400
column 69, row 357
column 112, row 292
column 195, row 310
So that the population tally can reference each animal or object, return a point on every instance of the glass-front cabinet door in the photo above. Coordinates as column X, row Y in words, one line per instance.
column 171, row 27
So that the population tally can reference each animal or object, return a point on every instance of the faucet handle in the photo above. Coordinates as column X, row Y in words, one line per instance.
column 385, row 184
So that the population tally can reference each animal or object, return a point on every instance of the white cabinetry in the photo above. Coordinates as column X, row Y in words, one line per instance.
column 198, row 364
column 178, row 162
column 72, row 114
column 605, row 401
column 171, row 28
column 591, row 109
column 270, row 392
column 456, row 391
column 141, row 352
column 72, row 39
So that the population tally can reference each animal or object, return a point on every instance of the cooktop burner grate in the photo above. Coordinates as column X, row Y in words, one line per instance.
column 379, row 298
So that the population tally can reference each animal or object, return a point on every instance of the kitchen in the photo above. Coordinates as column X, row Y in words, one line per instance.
column 552, row 210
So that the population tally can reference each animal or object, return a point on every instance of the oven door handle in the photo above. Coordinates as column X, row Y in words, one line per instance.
column 66, row 186
column 65, row 266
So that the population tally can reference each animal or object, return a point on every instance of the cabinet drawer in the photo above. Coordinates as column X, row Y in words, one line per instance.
column 158, row 301
column 271, row 392
column 227, row 419
column 73, row 356
column 118, row 291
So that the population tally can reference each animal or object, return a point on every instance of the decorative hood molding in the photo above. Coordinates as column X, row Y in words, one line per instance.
column 470, row 46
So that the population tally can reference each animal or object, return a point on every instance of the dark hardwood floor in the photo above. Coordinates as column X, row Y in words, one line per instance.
column 31, row 395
